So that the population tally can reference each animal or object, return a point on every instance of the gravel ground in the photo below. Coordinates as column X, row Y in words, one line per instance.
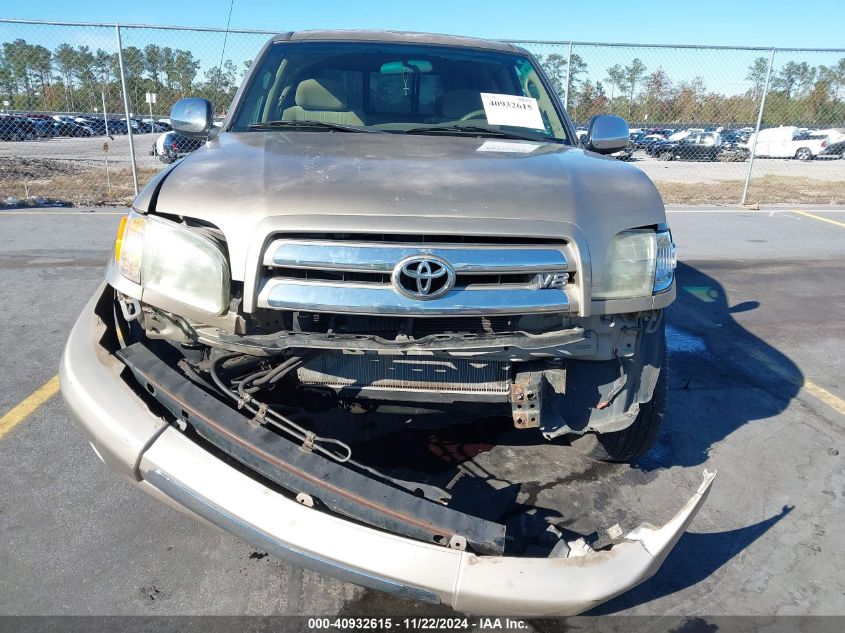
column 699, row 172
column 91, row 150
column 88, row 150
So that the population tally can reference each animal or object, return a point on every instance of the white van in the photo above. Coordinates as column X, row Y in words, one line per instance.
column 788, row 142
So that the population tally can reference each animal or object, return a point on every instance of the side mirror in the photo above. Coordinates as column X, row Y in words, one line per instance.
column 606, row 134
column 192, row 117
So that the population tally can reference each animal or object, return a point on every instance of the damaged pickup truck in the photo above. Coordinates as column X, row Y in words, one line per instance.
column 390, row 232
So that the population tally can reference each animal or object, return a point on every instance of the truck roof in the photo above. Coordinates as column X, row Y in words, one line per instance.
column 402, row 37
column 782, row 133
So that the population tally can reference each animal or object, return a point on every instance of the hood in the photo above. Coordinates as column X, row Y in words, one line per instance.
column 253, row 183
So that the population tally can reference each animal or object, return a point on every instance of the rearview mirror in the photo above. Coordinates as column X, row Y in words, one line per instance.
column 192, row 117
column 606, row 134
column 400, row 68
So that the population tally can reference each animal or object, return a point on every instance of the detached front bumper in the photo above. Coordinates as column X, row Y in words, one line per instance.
column 165, row 463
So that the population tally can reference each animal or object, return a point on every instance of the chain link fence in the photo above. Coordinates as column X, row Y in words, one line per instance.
column 83, row 106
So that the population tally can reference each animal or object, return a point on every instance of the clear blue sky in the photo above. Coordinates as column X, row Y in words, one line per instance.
column 782, row 23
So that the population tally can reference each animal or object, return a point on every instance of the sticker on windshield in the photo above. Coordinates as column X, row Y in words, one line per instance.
column 512, row 110
column 507, row 147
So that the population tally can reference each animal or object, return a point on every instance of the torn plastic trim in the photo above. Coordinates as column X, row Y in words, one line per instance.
column 586, row 578
column 192, row 479
column 357, row 495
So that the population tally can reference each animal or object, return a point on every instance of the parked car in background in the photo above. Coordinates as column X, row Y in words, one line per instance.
column 734, row 137
column 833, row 134
column 117, row 126
column 680, row 134
column 172, row 146
column 834, row 150
column 43, row 127
column 157, row 125
column 659, row 145
column 66, row 126
column 139, row 126
column 97, row 125
column 627, row 153
column 16, row 128
column 788, row 142
column 696, row 146
column 645, row 141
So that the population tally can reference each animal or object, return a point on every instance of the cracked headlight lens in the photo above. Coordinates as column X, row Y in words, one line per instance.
column 174, row 261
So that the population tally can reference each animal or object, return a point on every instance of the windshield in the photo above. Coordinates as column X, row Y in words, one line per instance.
column 398, row 88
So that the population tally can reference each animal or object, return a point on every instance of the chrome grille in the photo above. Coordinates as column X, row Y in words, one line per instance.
column 363, row 372
column 354, row 276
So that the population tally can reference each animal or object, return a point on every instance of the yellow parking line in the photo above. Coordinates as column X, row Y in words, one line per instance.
column 28, row 405
column 834, row 402
column 820, row 393
column 820, row 218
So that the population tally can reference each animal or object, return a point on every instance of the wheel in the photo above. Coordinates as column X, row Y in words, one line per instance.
column 842, row 155
column 804, row 153
column 665, row 156
column 628, row 444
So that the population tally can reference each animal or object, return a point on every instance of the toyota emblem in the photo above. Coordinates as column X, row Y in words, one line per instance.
column 423, row 277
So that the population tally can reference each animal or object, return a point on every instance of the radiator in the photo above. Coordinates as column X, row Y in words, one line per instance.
column 406, row 373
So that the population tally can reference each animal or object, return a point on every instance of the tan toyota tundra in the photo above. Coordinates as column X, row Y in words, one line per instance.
column 390, row 231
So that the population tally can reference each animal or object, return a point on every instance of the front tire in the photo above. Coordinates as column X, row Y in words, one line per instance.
column 666, row 156
column 804, row 154
column 633, row 441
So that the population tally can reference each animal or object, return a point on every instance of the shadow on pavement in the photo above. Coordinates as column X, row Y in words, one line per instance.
column 722, row 376
column 709, row 351
column 695, row 557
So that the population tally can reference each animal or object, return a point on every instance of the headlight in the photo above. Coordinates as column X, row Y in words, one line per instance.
column 664, row 270
column 173, row 261
column 638, row 263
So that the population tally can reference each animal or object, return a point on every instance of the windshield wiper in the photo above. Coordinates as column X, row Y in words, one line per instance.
column 314, row 125
column 477, row 130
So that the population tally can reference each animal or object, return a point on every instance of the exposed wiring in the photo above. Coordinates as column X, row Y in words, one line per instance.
column 263, row 413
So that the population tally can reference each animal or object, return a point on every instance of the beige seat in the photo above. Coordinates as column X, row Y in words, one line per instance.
column 458, row 103
column 321, row 100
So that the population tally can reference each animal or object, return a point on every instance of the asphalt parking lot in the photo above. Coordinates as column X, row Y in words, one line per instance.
column 757, row 342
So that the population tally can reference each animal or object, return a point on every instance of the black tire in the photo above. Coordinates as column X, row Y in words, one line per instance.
column 632, row 442
column 666, row 156
column 804, row 154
